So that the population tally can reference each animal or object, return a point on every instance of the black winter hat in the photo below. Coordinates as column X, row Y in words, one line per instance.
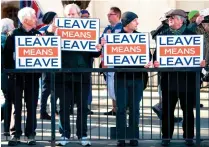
column 127, row 17
column 48, row 17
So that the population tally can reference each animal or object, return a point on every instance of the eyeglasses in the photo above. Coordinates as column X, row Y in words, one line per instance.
column 110, row 14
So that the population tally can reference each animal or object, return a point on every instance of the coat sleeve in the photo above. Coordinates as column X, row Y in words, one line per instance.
column 95, row 54
column 192, row 27
column 8, row 52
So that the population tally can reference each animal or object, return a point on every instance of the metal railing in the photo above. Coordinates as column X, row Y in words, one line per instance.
column 102, row 127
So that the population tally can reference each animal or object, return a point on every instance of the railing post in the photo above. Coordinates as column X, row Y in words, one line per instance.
column 52, row 85
column 198, row 108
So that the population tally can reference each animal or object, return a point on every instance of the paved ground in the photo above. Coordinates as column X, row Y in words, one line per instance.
column 98, row 128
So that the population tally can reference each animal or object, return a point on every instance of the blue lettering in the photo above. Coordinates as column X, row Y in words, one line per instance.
column 28, row 62
column 37, row 41
column 134, row 39
column 108, row 41
column 54, row 41
column 58, row 24
column 75, row 24
column 116, row 39
column 20, row 63
column 54, row 62
column 196, row 60
column 169, row 41
column 92, row 24
column 178, row 61
column 196, row 41
column 45, row 43
column 67, row 23
column 142, row 59
column 37, row 62
column 19, row 43
column 125, row 39
column 125, row 59
column 108, row 62
column 75, row 45
column 92, row 45
column 84, row 44
column 142, row 38
column 28, row 41
column 134, row 61
column 161, row 62
column 84, row 25
column 178, row 40
column 46, row 63
column 161, row 41
column 188, row 61
column 188, row 42
column 117, row 60
column 66, row 44
column 169, row 61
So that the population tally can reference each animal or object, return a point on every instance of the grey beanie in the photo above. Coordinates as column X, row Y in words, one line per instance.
column 127, row 17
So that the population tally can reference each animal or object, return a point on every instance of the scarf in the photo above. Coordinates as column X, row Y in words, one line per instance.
column 179, row 31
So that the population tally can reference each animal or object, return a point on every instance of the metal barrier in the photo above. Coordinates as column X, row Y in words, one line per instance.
column 101, row 127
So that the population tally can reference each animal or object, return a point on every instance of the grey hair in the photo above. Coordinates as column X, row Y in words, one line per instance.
column 25, row 12
column 70, row 6
column 7, row 25
column 182, row 18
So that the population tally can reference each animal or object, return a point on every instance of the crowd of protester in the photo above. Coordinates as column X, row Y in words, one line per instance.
column 124, row 88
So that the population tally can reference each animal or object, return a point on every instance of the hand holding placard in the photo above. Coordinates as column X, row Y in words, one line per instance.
column 103, row 41
column 202, row 63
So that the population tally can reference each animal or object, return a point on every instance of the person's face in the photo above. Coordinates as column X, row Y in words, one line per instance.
column 194, row 18
column 73, row 13
column 175, row 21
column 133, row 24
column 31, row 21
column 112, row 17
column 85, row 15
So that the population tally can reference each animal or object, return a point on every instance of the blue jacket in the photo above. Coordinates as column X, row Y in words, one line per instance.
column 116, row 29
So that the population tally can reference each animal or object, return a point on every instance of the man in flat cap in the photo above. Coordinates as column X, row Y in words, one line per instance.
column 181, row 85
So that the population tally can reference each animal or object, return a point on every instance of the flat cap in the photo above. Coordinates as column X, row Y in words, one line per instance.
column 177, row 12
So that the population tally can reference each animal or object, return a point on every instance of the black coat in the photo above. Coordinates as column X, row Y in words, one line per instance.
column 74, row 60
column 178, row 81
column 132, row 75
column 9, row 49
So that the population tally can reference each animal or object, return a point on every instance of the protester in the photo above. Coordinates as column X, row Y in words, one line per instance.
column 180, row 86
column 19, row 82
column 129, row 90
column 45, row 84
column 157, row 108
column 70, row 86
column 7, row 25
column 115, row 26
column 86, row 14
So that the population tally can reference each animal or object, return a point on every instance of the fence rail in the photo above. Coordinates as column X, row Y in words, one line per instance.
column 102, row 127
